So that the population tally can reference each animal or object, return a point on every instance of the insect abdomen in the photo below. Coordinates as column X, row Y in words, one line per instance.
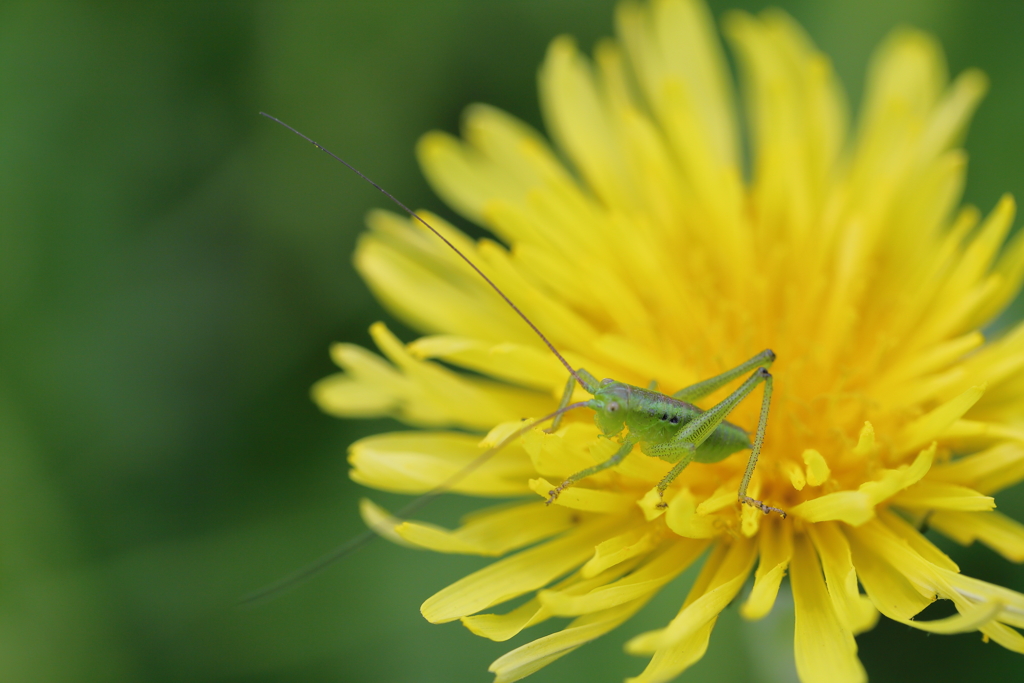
column 723, row 442
column 656, row 418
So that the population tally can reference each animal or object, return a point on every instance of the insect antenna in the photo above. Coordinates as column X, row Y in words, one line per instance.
column 353, row 544
column 443, row 239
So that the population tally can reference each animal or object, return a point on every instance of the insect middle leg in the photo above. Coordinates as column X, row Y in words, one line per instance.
column 686, row 441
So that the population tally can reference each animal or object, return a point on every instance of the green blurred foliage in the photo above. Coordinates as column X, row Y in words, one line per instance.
column 172, row 270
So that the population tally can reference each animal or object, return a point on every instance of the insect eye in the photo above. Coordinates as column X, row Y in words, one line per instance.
column 612, row 407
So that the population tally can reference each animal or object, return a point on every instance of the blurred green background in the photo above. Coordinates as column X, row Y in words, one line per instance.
column 172, row 270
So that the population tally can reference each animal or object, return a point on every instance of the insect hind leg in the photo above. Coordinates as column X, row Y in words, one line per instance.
column 762, row 425
column 701, row 389
column 697, row 431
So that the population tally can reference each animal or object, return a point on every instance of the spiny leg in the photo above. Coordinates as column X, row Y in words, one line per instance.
column 762, row 425
column 624, row 449
column 694, row 433
column 701, row 389
column 570, row 387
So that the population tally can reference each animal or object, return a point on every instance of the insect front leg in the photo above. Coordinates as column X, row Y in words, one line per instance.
column 694, row 433
column 589, row 384
column 624, row 449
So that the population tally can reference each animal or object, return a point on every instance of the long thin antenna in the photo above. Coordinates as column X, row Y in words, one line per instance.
column 362, row 539
column 443, row 239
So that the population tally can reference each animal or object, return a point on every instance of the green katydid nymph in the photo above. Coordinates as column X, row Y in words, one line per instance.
column 667, row 427
column 671, row 427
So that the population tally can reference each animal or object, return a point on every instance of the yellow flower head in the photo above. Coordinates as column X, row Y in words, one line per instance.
column 653, row 255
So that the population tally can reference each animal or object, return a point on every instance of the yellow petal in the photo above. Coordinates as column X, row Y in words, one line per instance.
column 977, row 591
column 668, row 662
column 682, row 73
column 971, row 619
column 857, row 507
column 934, row 495
column 931, row 425
column 937, row 357
column 974, row 435
column 797, row 117
column 655, row 573
column 501, row 627
column 573, row 448
column 775, row 545
column 723, row 497
column 491, row 532
column 977, row 259
column 994, row 529
column 454, row 172
column 636, row 541
column 652, row 504
column 579, row 120
column 369, row 387
column 502, row 160
column 465, row 400
column 1010, row 270
column 825, row 648
column 417, row 462
column 989, row 471
column 590, row 500
column 526, row 571
column 535, row 655
column 427, row 285
column 889, row 590
column 917, row 541
column 724, row 586
column 930, row 580
column 817, row 469
column 795, row 474
column 853, row 609
column 513, row 363
column 676, row 41
column 682, row 517
column 381, row 521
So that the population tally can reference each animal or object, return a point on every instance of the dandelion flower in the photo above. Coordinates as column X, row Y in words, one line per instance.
column 649, row 253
